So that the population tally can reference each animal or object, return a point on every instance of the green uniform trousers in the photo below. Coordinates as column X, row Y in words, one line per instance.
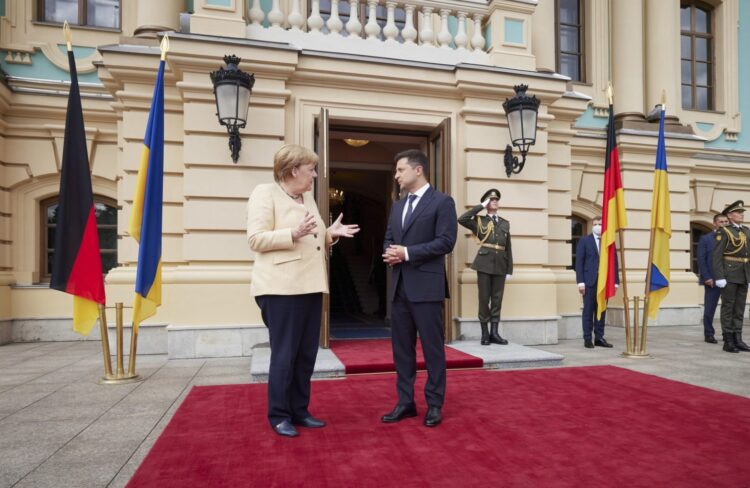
column 491, row 289
column 733, row 299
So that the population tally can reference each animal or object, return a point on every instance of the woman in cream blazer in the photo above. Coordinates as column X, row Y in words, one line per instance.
column 290, row 275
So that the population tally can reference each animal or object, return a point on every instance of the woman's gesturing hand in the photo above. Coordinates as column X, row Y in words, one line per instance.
column 337, row 229
column 306, row 226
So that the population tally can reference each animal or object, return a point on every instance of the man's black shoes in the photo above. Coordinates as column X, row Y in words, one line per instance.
column 588, row 344
column 711, row 340
column 310, row 422
column 286, row 429
column 602, row 343
column 433, row 417
column 399, row 413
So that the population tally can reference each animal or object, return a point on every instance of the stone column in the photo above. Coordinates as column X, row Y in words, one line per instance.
column 627, row 58
column 154, row 17
column 663, row 55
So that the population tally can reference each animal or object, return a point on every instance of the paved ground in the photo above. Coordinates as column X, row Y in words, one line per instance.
column 59, row 427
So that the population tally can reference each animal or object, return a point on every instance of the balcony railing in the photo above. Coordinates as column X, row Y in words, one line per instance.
column 446, row 32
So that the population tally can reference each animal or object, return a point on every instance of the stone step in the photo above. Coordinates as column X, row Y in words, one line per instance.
column 494, row 356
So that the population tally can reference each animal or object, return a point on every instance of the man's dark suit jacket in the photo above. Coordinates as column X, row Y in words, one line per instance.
column 429, row 235
column 587, row 262
column 705, row 257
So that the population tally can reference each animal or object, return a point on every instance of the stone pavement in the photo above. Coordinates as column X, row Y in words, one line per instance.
column 59, row 427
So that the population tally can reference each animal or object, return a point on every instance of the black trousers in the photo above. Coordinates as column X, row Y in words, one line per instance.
column 588, row 317
column 710, row 301
column 491, row 288
column 408, row 318
column 293, row 323
column 733, row 299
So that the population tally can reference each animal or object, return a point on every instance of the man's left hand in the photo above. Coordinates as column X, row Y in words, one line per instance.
column 395, row 254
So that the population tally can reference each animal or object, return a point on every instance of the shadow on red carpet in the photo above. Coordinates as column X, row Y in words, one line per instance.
column 563, row 427
column 376, row 356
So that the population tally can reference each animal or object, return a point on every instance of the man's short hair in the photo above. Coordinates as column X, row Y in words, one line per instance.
column 597, row 217
column 718, row 216
column 415, row 158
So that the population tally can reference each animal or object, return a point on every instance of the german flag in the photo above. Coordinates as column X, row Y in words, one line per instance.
column 613, row 219
column 77, row 263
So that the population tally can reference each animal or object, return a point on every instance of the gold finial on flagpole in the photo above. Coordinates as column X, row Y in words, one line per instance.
column 663, row 100
column 164, row 46
column 68, row 36
column 609, row 92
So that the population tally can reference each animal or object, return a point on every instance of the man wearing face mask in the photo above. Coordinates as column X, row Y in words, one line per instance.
column 493, row 263
column 587, row 274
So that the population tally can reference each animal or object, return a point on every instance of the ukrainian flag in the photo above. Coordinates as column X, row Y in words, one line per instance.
column 145, row 221
column 661, row 228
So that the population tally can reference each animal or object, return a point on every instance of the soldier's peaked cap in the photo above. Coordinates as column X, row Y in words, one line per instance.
column 491, row 193
column 738, row 206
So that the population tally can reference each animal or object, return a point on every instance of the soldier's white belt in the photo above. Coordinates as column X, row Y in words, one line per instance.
column 496, row 247
column 739, row 260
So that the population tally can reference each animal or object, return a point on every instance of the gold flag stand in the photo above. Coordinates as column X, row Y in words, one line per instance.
column 119, row 377
column 635, row 345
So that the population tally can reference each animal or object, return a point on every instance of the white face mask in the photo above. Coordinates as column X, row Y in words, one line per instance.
column 597, row 230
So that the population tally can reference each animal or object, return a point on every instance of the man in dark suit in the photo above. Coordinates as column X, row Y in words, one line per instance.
column 711, row 292
column 731, row 266
column 421, row 231
column 493, row 262
column 587, row 274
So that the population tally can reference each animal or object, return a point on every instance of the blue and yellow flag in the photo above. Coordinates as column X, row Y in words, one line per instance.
column 145, row 221
column 661, row 228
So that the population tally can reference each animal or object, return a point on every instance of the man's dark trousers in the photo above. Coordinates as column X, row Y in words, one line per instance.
column 710, row 301
column 589, row 316
column 408, row 318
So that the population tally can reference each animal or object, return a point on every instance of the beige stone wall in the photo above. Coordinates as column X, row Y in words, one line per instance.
column 207, row 265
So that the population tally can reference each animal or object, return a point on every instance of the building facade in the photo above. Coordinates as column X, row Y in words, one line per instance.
column 360, row 81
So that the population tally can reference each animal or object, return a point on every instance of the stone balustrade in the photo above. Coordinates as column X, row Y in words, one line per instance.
column 371, row 25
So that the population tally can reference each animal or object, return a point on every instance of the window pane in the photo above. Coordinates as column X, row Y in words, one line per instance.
column 61, row 10
column 48, row 271
column 685, row 18
column 701, row 73
column 687, row 72
column 701, row 99
column 105, row 215
column 107, row 239
column 701, row 49
column 701, row 20
column 687, row 96
column 569, row 39
column 569, row 11
column 569, row 66
column 52, row 214
column 109, row 261
column 103, row 13
column 685, row 52
column 51, row 237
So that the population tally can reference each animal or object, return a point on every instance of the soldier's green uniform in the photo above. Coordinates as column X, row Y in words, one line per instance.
column 493, row 262
column 731, row 262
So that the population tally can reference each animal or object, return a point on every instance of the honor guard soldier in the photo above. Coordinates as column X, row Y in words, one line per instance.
column 732, row 273
column 493, row 263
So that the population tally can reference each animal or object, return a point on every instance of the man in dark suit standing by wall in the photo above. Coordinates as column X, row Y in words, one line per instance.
column 587, row 274
column 712, row 292
column 421, row 232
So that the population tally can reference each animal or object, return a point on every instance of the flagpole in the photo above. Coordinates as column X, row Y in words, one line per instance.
column 625, row 299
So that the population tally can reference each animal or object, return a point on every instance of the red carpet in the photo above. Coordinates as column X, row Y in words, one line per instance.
column 563, row 427
column 376, row 356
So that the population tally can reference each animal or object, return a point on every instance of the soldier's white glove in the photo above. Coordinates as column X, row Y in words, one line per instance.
column 508, row 277
column 617, row 286
column 485, row 203
column 721, row 283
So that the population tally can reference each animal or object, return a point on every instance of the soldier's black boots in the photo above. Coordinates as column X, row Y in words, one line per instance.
column 485, row 334
column 739, row 344
column 729, row 345
column 495, row 337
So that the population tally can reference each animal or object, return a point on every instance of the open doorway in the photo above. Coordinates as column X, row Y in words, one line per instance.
column 361, row 185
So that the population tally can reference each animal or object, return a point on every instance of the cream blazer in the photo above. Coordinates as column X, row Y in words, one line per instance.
column 282, row 266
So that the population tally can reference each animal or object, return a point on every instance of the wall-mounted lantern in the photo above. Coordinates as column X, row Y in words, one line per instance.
column 521, row 111
column 232, row 89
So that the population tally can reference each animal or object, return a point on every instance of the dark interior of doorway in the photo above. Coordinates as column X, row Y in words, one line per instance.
column 362, row 187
